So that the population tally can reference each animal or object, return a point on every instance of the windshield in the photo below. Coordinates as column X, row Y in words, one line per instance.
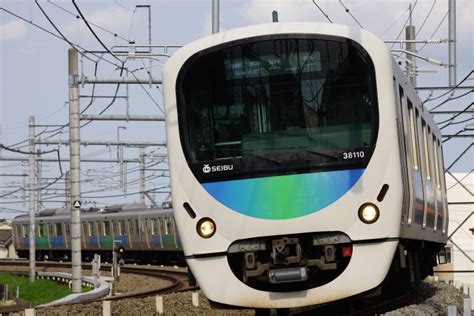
column 276, row 106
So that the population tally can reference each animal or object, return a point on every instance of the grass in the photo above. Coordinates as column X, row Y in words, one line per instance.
column 39, row 292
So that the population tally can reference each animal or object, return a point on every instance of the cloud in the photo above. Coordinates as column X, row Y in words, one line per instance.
column 12, row 31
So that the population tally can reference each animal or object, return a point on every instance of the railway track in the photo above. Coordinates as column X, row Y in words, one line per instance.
column 177, row 279
column 360, row 307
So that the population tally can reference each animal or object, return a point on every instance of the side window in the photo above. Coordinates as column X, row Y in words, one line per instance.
column 169, row 228
column 431, row 158
column 41, row 230
column 425, row 147
column 436, row 162
column 156, row 223
column 413, row 135
column 130, row 227
column 151, row 222
column 100, row 228
column 68, row 229
column 419, row 142
column 91, row 228
column 85, row 229
column 121, row 226
column 136, row 227
column 107, row 228
column 26, row 230
column 50, row 229
column 59, row 229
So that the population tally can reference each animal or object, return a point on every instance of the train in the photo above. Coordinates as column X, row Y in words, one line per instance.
column 304, row 167
column 147, row 235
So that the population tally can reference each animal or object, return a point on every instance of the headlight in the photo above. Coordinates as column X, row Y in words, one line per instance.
column 206, row 227
column 369, row 213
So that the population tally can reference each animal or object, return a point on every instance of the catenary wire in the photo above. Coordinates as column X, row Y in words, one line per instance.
column 426, row 18
column 84, row 51
column 450, row 90
column 436, row 30
column 324, row 13
column 405, row 24
column 92, row 31
column 94, row 24
column 349, row 12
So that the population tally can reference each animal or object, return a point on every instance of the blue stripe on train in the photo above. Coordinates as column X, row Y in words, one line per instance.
column 56, row 242
column 156, row 241
column 94, row 241
column 123, row 239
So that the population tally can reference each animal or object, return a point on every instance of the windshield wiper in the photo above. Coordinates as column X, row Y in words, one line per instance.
column 321, row 154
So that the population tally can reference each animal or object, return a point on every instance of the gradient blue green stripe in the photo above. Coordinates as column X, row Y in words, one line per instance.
column 284, row 197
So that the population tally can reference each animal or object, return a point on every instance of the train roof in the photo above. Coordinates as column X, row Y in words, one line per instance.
column 122, row 211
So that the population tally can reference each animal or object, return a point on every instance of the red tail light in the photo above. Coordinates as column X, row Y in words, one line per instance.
column 347, row 251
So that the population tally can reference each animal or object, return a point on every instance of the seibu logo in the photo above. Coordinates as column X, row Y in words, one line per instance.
column 208, row 169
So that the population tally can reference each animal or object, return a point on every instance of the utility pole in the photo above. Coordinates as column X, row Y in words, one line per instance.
column 411, row 47
column 32, row 185
column 452, row 42
column 67, row 192
column 38, row 180
column 215, row 16
column 142, row 175
column 75, row 176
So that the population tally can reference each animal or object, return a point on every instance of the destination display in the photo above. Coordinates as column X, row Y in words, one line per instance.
column 266, row 65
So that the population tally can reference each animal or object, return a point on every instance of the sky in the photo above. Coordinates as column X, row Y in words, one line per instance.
column 34, row 82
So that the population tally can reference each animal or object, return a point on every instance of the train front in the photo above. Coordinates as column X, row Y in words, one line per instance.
column 284, row 185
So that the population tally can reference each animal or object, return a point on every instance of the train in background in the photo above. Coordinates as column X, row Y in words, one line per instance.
column 148, row 235
column 304, row 167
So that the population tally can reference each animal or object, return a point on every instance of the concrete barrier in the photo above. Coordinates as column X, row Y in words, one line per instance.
column 101, row 291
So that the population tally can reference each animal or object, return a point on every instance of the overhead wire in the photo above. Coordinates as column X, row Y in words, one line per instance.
column 94, row 24
column 59, row 32
column 349, row 12
column 149, row 95
column 452, row 98
column 12, row 210
column 27, row 152
column 131, row 22
column 456, row 123
column 405, row 24
column 450, row 90
column 324, row 13
column 74, row 46
column 426, row 18
column 395, row 22
column 93, row 32
column 436, row 30
column 456, row 115
column 120, row 195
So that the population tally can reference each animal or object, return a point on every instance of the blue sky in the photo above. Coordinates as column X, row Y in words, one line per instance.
column 33, row 72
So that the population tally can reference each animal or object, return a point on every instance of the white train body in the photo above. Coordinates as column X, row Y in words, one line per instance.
column 316, row 206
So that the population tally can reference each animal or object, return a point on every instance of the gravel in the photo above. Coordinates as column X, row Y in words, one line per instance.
column 432, row 299
column 173, row 304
